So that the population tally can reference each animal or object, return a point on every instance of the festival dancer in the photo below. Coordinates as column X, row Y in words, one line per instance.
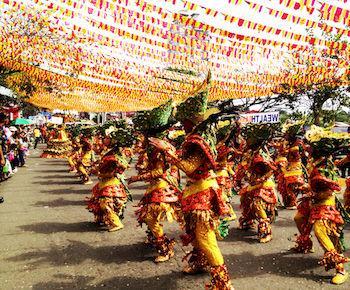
column 58, row 146
column 87, row 158
column 258, row 197
column 325, row 212
column 73, row 156
column 281, row 161
column 202, row 204
column 225, row 175
column 345, row 163
column 294, row 180
column 202, row 200
column 110, row 194
column 160, row 201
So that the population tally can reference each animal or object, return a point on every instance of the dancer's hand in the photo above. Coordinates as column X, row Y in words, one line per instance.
column 165, row 146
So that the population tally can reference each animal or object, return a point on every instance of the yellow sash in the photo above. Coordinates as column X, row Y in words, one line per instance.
column 328, row 201
column 110, row 182
column 268, row 183
column 295, row 148
column 222, row 173
column 200, row 185
column 281, row 159
column 160, row 184
column 293, row 173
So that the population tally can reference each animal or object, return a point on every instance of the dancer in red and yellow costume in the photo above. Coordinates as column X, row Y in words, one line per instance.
column 224, row 172
column 281, row 162
column 110, row 194
column 258, row 197
column 345, row 163
column 202, row 199
column 86, row 161
column 160, row 202
column 324, row 212
column 74, row 155
column 202, row 205
column 59, row 145
column 225, row 175
column 294, row 180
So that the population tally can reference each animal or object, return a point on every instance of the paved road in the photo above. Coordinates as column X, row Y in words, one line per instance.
column 47, row 241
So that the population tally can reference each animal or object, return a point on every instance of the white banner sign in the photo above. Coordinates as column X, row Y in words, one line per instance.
column 268, row 117
column 56, row 120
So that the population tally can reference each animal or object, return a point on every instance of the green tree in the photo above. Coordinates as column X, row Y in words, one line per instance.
column 342, row 116
column 314, row 98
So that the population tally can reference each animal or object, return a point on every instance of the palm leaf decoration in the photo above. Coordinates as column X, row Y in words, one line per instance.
column 155, row 120
column 74, row 130
column 123, row 137
column 88, row 131
column 324, row 142
column 196, row 105
column 257, row 135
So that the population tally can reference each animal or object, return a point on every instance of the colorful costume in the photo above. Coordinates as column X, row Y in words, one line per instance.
column 281, row 164
column 294, row 182
column 345, row 163
column 87, row 159
column 324, row 212
column 59, row 145
column 109, row 195
column 160, row 201
column 225, row 175
column 225, row 178
column 327, row 220
column 294, row 179
column 74, row 155
column 202, row 205
column 258, row 198
column 202, row 200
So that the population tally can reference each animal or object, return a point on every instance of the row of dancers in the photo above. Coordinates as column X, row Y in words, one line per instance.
column 267, row 167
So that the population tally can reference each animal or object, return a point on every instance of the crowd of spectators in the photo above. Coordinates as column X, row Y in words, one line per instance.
column 15, row 142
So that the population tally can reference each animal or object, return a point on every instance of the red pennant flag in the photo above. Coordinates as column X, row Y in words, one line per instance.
column 337, row 14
